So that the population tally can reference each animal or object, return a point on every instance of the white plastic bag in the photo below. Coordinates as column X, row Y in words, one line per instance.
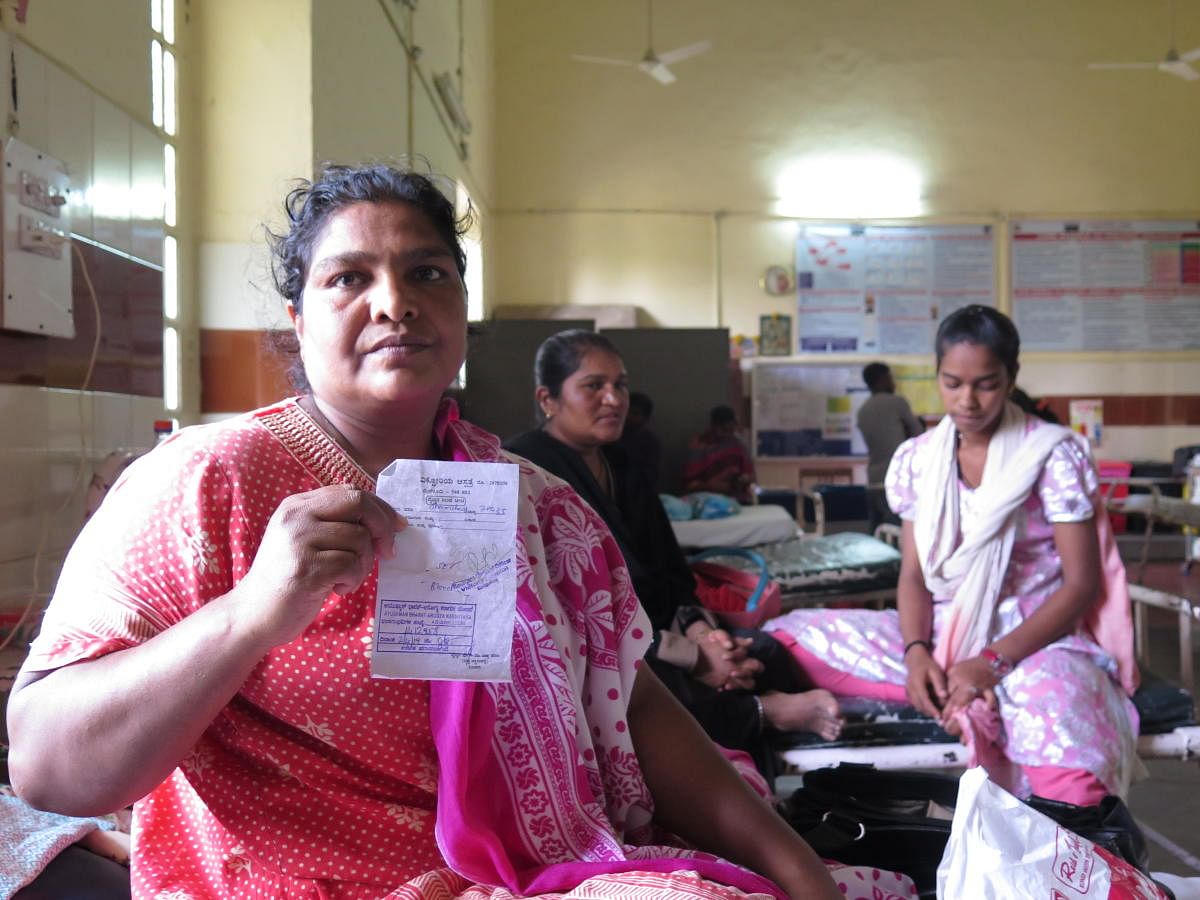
column 1001, row 849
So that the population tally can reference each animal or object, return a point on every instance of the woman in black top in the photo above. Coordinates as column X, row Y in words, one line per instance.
column 738, row 685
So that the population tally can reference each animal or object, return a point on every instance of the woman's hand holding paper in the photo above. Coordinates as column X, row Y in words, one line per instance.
column 318, row 542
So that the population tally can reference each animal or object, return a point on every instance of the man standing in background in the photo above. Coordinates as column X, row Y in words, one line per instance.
column 886, row 421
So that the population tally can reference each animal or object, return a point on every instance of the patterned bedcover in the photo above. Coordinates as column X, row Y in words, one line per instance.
column 843, row 563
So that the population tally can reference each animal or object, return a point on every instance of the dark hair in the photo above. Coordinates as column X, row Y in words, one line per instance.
column 983, row 326
column 721, row 415
column 560, row 355
column 641, row 403
column 1033, row 407
column 874, row 373
column 310, row 205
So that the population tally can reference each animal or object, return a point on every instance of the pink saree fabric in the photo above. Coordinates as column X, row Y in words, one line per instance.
column 318, row 781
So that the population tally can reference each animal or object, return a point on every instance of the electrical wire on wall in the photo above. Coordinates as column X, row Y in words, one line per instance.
column 50, row 519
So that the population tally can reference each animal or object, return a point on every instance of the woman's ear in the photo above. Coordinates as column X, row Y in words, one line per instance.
column 544, row 401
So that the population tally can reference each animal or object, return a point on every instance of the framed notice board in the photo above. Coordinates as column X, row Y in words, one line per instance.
column 807, row 410
column 1104, row 285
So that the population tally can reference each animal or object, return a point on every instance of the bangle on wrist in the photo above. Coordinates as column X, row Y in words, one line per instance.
column 999, row 664
column 762, row 713
column 928, row 647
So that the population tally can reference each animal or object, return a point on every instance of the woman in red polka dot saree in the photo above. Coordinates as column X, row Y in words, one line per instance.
column 206, row 653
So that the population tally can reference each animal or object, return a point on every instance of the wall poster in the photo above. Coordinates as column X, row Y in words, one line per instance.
column 884, row 288
column 1107, row 285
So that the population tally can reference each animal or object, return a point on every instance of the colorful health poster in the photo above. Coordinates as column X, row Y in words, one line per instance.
column 883, row 288
column 1106, row 285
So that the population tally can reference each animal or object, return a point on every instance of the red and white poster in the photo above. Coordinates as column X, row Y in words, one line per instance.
column 1106, row 285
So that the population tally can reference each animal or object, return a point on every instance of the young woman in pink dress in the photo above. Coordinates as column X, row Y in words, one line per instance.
column 206, row 653
column 1012, row 625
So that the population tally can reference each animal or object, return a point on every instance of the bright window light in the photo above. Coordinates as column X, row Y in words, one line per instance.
column 170, row 368
column 168, row 91
column 168, row 20
column 169, row 185
column 156, row 19
column 109, row 200
column 473, row 248
column 156, row 83
column 474, row 279
column 170, row 277
column 850, row 187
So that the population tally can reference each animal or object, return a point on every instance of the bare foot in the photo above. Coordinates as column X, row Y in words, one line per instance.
column 112, row 844
column 815, row 711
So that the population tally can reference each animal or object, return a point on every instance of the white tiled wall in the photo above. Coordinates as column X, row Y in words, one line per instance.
column 40, row 457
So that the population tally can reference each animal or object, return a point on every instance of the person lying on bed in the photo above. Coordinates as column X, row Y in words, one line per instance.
column 1013, row 625
column 206, row 652
column 736, row 685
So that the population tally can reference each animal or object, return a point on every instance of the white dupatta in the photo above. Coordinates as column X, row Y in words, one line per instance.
column 973, row 572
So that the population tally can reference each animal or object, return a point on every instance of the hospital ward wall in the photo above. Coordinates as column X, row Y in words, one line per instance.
column 83, row 96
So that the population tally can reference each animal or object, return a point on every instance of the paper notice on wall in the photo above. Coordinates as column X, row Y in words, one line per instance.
column 839, row 419
column 448, row 598
column 1087, row 418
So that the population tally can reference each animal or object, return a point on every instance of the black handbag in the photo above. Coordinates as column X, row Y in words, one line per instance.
column 859, row 815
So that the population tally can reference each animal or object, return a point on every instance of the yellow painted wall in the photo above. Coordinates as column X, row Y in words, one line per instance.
column 662, row 263
column 253, row 96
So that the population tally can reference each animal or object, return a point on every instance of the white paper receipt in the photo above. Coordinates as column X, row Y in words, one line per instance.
column 448, row 597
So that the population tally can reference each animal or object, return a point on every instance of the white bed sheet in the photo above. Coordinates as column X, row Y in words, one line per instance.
column 753, row 525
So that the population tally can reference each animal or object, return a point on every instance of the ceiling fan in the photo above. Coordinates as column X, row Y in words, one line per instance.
column 653, row 64
column 1174, row 63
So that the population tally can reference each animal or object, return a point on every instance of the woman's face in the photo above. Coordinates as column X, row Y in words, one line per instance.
column 383, row 318
column 590, row 409
column 974, row 385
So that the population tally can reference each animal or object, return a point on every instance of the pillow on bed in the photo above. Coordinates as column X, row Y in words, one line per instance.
column 678, row 510
column 712, row 506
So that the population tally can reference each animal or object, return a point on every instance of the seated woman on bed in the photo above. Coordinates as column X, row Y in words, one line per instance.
column 1013, row 624
column 735, row 685
column 206, row 653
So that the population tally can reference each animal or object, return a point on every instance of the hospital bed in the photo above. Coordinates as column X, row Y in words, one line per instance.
column 840, row 569
column 754, row 525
